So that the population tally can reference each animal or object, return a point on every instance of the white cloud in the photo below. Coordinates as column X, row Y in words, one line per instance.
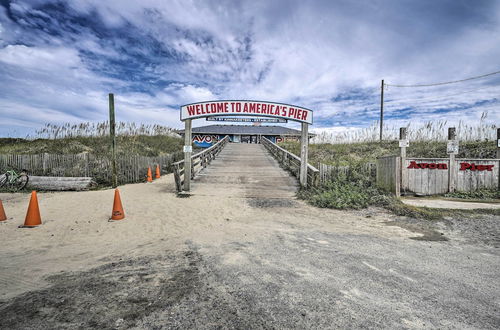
column 156, row 55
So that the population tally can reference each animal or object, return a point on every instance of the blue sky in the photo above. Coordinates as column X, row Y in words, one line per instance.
column 60, row 59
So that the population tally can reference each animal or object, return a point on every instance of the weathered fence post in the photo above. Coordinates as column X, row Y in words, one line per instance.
column 452, row 150
column 44, row 162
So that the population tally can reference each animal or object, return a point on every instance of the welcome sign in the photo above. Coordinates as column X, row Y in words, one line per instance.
column 246, row 108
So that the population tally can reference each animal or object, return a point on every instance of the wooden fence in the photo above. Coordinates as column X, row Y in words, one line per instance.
column 131, row 168
column 291, row 162
column 199, row 161
column 425, row 181
column 432, row 176
column 332, row 172
column 389, row 173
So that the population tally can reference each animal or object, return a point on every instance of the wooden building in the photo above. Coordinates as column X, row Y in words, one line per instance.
column 206, row 136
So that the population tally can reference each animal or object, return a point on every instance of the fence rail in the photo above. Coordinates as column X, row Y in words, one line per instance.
column 291, row 162
column 199, row 161
column 131, row 168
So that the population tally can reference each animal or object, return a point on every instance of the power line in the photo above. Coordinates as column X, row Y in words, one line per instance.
column 440, row 97
column 445, row 83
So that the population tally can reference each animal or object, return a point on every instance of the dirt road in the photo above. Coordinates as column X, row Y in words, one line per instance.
column 237, row 258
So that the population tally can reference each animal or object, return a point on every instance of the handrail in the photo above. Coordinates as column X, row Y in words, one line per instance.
column 291, row 162
column 199, row 161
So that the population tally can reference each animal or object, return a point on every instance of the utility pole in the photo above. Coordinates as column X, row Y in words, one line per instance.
column 114, row 179
column 381, row 108
column 498, row 144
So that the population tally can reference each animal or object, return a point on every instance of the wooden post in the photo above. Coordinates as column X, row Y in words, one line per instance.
column 44, row 162
column 498, row 154
column 402, row 137
column 188, row 150
column 397, row 177
column 402, row 147
column 381, row 108
column 304, row 147
column 451, row 169
column 112, row 133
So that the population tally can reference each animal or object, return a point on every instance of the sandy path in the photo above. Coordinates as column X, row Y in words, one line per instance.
column 76, row 234
column 448, row 204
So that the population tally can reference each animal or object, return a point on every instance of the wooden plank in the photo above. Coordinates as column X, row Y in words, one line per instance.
column 60, row 183
column 468, row 180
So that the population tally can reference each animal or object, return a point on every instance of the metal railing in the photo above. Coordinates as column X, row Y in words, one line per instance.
column 199, row 161
column 291, row 162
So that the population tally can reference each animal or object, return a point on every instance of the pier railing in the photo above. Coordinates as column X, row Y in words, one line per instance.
column 199, row 161
column 291, row 162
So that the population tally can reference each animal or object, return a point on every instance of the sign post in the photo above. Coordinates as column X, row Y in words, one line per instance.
column 188, row 150
column 498, row 154
column 403, row 144
column 304, row 147
column 452, row 150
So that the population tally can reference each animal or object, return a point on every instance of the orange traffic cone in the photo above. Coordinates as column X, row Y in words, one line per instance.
column 157, row 176
column 2, row 212
column 150, row 176
column 33, row 218
column 117, row 213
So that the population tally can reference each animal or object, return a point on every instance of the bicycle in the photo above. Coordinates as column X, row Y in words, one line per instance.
column 15, row 181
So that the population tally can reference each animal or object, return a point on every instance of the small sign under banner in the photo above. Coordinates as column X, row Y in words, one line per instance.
column 236, row 108
column 452, row 147
column 404, row 143
column 188, row 148
column 248, row 120
column 498, row 143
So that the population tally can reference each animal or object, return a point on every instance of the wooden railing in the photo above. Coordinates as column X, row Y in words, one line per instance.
column 199, row 161
column 291, row 162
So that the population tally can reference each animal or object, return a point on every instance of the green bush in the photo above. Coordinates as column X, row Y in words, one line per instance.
column 478, row 194
column 341, row 195
column 354, row 195
column 348, row 190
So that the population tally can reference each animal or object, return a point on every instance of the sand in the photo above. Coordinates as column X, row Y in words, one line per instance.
column 76, row 233
column 236, row 259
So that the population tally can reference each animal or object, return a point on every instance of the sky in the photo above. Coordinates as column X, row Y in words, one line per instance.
column 60, row 59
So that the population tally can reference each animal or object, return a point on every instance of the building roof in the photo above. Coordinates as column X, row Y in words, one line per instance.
column 244, row 130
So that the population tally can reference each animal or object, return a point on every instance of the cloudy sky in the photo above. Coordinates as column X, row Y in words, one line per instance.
column 60, row 59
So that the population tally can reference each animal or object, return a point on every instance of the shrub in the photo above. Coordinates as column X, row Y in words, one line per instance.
column 342, row 195
column 478, row 194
